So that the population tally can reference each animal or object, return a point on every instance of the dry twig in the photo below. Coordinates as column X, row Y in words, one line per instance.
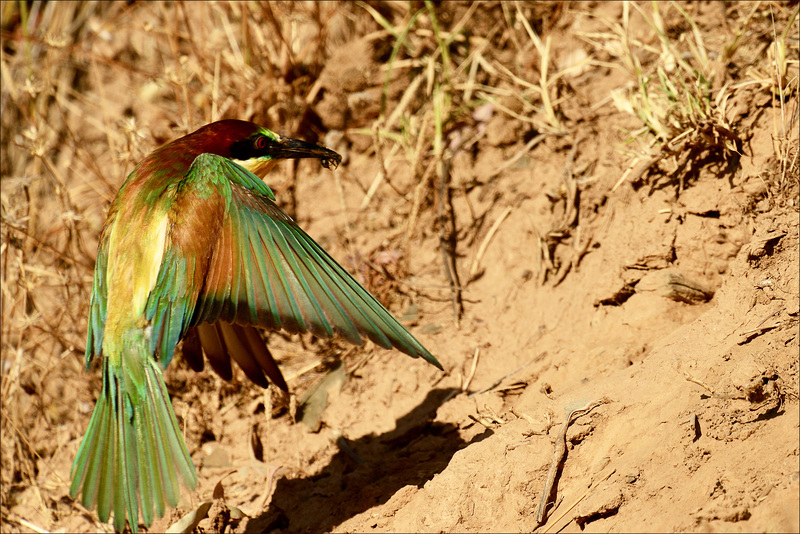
column 558, row 457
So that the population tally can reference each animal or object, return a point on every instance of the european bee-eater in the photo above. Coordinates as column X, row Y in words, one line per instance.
column 194, row 246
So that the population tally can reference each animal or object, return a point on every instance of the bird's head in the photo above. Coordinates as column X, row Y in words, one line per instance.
column 254, row 147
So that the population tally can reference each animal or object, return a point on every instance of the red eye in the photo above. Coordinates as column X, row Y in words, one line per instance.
column 261, row 143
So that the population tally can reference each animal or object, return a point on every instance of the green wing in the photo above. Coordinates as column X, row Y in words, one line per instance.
column 264, row 270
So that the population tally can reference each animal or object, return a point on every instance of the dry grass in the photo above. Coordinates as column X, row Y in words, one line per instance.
column 681, row 94
column 89, row 88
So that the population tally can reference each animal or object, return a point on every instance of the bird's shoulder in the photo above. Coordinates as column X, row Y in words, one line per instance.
column 210, row 173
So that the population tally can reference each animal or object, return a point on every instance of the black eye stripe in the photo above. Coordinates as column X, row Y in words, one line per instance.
column 250, row 148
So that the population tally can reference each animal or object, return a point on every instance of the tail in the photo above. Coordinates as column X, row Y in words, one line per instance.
column 133, row 451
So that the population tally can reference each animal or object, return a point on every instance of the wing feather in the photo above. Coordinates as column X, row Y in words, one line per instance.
column 252, row 274
column 238, row 347
column 267, row 315
column 266, row 271
column 262, row 354
column 215, row 350
column 99, row 299
column 192, row 350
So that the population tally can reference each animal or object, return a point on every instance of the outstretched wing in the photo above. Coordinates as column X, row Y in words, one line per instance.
column 234, row 257
column 266, row 271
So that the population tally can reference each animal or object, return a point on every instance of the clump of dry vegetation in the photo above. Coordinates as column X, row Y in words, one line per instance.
column 683, row 97
column 89, row 88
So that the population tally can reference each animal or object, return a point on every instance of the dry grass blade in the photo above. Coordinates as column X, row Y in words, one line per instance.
column 559, row 454
column 471, row 375
column 473, row 270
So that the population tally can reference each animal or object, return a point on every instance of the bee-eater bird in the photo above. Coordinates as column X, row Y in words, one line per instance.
column 195, row 247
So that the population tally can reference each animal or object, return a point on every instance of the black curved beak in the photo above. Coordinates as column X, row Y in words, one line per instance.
column 285, row 148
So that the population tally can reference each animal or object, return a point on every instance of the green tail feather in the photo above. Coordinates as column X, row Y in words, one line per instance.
column 133, row 451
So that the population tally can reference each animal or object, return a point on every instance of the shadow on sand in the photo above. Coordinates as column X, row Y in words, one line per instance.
column 411, row 454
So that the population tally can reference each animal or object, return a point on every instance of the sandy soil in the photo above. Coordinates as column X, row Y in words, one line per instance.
column 671, row 302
